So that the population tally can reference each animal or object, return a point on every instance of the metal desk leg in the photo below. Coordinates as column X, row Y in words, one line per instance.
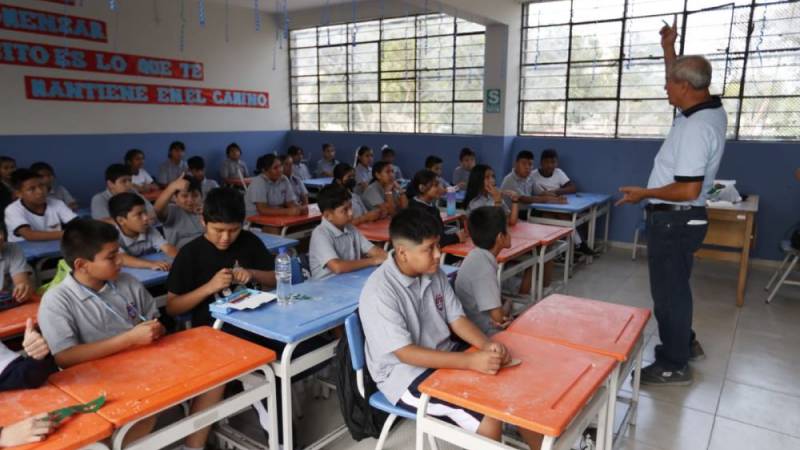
column 605, row 232
column 592, row 230
column 540, row 269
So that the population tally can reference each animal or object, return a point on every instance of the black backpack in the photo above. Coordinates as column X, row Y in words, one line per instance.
column 362, row 420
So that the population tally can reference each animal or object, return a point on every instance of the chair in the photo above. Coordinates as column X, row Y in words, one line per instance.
column 792, row 254
column 355, row 340
column 641, row 228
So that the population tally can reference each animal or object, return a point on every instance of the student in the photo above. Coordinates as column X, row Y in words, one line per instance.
column 520, row 181
column 336, row 245
column 140, row 178
column 118, row 180
column 271, row 193
column 434, row 164
column 429, row 190
column 466, row 161
column 409, row 312
column 197, row 169
column 363, row 167
column 34, row 216
column 136, row 236
column 25, row 371
column 97, row 311
column 298, row 187
column 182, row 219
column 300, row 168
column 54, row 189
column 224, row 256
column 33, row 429
column 481, row 191
column 15, row 273
column 384, row 190
column 328, row 162
column 388, row 155
column 7, row 167
column 344, row 175
column 174, row 166
column 233, row 169
column 476, row 285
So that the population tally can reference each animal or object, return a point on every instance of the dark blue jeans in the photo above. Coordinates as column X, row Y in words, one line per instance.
column 671, row 243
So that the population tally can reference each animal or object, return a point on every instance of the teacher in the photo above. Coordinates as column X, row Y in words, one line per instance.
column 683, row 171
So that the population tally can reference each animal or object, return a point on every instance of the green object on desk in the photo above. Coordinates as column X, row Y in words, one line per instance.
column 60, row 415
column 298, row 296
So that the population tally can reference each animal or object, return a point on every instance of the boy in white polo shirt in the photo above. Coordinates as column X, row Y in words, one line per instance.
column 409, row 312
column 34, row 216
column 336, row 245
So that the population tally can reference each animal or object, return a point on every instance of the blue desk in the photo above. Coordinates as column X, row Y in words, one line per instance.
column 147, row 277
column 316, row 184
column 38, row 253
column 274, row 242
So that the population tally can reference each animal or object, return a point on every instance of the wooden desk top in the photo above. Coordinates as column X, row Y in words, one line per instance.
column 748, row 205
column 313, row 215
column 12, row 320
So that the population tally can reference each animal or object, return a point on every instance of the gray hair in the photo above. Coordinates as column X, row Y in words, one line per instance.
column 694, row 69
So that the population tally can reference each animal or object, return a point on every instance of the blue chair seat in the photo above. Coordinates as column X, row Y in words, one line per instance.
column 786, row 247
column 379, row 401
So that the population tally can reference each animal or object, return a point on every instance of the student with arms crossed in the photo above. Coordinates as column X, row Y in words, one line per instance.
column 298, row 187
column 328, row 162
column 136, row 236
column 233, row 169
column 34, row 216
column 182, row 219
column 300, row 167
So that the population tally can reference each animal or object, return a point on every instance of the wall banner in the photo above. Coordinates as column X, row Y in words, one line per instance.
column 15, row 18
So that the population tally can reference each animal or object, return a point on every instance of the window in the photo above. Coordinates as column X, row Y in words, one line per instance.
column 415, row 74
column 596, row 68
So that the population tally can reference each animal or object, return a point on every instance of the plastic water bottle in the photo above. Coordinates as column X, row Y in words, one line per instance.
column 283, row 275
column 451, row 201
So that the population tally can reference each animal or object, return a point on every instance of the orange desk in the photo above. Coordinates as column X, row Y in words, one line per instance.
column 285, row 222
column 12, row 320
column 77, row 432
column 151, row 195
column 378, row 231
column 244, row 182
column 616, row 331
column 142, row 382
column 556, row 391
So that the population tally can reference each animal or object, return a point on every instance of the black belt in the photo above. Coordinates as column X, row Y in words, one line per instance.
column 652, row 207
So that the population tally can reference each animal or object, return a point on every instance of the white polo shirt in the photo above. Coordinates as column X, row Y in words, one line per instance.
column 56, row 214
column 692, row 150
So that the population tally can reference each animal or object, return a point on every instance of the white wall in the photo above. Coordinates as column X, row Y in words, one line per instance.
column 244, row 63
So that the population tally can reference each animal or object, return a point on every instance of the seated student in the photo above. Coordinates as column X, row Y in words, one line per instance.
column 174, row 166
column 476, row 285
column 344, row 175
column 34, row 216
column 140, row 178
column 182, row 219
column 363, row 167
column 409, row 312
column 7, row 166
column 197, row 169
column 388, row 154
column 300, row 167
column 434, row 164
column 298, row 187
column 429, row 190
column 384, row 190
column 29, row 430
column 136, row 236
column 482, row 191
column 97, row 311
column 29, row 370
column 466, row 161
column 54, row 189
column 326, row 165
column 118, row 180
column 15, row 273
column 521, row 182
column 336, row 245
column 271, row 193
column 233, row 169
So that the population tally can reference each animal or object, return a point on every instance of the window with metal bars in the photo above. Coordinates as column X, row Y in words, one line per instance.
column 596, row 68
column 414, row 74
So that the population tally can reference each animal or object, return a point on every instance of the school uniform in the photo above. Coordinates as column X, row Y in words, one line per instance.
column 12, row 263
column 359, row 208
column 99, row 205
column 430, row 208
column 181, row 226
column 142, row 178
column 478, row 289
column 520, row 185
column 168, row 171
column 460, row 175
column 18, row 372
column 72, row 314
column 330, row 242
column 145, row 243
column 301, row 171
column 276, row 194
column 298, row 188
column 555, row 181
column 207, row 185
column 17, row 215
column 444, row 183
column 233, row 169
column 398, row 174
column 485, row 200
column 375, row 195
column 59, row 192
column 325, row 168
column 363, row 174
column 396, row 311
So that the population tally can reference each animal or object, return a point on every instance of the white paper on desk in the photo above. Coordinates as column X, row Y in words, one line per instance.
column 252, row 302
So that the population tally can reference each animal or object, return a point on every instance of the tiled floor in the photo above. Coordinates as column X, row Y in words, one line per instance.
column 746, row 393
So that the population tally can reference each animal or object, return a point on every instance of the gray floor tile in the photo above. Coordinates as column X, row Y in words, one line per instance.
column 766, row 409
column 732, row 435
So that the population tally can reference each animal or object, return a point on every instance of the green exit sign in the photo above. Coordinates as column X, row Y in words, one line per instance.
column 492, row 101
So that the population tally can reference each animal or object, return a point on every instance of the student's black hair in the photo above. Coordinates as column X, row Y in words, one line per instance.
column 117, row 171
column 326, row 145
column 293, row 150
column 176, row 145
column 466, row 151
column 265, row 162
column 121, row 204
column 431, row 161
column 132, row 153
column 485, row 224
column 39, row 166
column 84, row 238
column 377, row 168
column 194, row 184
column 525, row 154
column 414, row 225
column 5, row 159
column 20, row 176
column 386, row 150
column 332, row 196
column 422, row 178
column 282, row 158
column 340, row 170
column 360, row 151
column 196, row 163
column 3, row 229
column 224, row 205
column 231, row 146
column 475, row 182
column 548, row 153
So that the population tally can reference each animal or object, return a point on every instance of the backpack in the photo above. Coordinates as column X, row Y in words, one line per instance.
column 362, row 420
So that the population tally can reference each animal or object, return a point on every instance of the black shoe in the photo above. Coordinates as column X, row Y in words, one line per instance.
column 586, row 250
column 696, row 352
column 657, row 375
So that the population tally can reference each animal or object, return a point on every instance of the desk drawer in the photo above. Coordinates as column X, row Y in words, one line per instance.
column 726, row 228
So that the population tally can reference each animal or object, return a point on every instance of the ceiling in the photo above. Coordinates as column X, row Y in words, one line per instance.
column 292, row 5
